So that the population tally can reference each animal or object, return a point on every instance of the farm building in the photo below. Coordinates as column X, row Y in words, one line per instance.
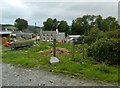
column 24, row 35
column 50, row 35
column 5, row 33
column 11, row 28
column 70, row 38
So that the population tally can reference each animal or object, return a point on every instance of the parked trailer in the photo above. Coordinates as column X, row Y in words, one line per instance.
column 21, row 44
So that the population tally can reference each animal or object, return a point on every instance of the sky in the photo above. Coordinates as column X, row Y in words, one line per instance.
column 38, row 10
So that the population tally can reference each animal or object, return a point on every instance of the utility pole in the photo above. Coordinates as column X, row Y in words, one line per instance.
column 36, row 31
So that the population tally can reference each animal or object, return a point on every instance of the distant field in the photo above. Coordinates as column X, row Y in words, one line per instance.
column 82, row 68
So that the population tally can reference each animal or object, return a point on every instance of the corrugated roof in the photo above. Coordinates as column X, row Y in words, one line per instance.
column 25, row 33
column 5, row 32
column 16, row 31
column 74, row 36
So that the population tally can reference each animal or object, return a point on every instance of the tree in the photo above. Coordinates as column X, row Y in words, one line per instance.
column 98, row 21
column 109, row 23
column 50, row 24
column 54, row 24
column 21, row 24
column 86, row 26
column 63, row 27
column 112, row 23
column 77, row 26
column 104, row 25
column 93, row 35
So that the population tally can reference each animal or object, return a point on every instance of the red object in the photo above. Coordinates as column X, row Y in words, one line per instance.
column 33, row 36
column 6, row 43
column 61, row 41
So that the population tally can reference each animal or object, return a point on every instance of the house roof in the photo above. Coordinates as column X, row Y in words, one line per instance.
column 49, row 32
column 73, row 36
column 61, row 33
column 16, row 32
column 11, row 27
column 25, row 33
column 5, row 32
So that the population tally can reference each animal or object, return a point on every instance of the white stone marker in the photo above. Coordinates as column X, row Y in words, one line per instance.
column 54, row 60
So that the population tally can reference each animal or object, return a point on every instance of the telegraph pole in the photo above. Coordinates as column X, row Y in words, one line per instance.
column 36, row 31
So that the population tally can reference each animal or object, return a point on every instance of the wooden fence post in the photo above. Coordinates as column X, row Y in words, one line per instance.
column 73, row 47
column 54, row 47
column 36, row 36
column 83, row 48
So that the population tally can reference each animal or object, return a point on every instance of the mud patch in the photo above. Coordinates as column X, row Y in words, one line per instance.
column 58, row 51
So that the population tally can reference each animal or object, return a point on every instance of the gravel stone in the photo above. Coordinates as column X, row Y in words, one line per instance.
column 35, row 77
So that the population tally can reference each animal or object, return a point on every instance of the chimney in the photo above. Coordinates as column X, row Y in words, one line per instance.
column 57, row 31
column 41, row 30
column 6, row 29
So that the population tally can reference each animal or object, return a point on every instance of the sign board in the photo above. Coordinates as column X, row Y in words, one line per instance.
column 77, row 42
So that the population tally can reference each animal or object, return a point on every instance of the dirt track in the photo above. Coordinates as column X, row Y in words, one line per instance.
column 16, row 76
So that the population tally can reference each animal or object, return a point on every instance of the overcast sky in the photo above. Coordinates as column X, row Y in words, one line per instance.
column 38, row 11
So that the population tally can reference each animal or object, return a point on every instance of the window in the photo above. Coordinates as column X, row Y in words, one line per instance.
column 43, row 34
column 47, row 35
column 43, row 39
column 51, row 39
column 51, row 34
column 47, row 38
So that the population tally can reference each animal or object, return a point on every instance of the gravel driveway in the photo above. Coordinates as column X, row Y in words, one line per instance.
column 17, row 76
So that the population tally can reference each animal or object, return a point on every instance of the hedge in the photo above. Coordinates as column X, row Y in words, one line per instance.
column 105, row 50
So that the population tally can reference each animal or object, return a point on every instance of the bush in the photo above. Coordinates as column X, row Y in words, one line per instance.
column 92, row 35
column 112, row 34
column 81, row 38
column 105, row 50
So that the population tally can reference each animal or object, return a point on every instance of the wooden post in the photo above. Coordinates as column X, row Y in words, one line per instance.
column 73, row 50
column 36, row 36
column 83, row 48
column 54, row 47
column 36, row 31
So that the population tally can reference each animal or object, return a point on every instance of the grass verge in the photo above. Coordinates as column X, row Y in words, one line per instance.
column 29, row 58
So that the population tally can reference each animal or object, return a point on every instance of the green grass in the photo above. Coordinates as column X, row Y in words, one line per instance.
column 30, row 58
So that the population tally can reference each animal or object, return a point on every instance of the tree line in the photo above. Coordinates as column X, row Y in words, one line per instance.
column 80, row 26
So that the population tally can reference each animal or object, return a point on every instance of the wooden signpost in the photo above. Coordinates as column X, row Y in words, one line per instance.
column 73, row 50
column 73, row 47
column 83, row 48
column 54, row 47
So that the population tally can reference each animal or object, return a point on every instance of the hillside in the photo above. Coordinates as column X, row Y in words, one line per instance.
column 10, row 27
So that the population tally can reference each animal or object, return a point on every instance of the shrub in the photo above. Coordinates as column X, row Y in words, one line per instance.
column 92, row 35
column 105, row 50
column 81, row 38
column 112, row 34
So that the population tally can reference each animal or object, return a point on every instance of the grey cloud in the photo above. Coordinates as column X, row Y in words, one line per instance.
column 40, row 11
